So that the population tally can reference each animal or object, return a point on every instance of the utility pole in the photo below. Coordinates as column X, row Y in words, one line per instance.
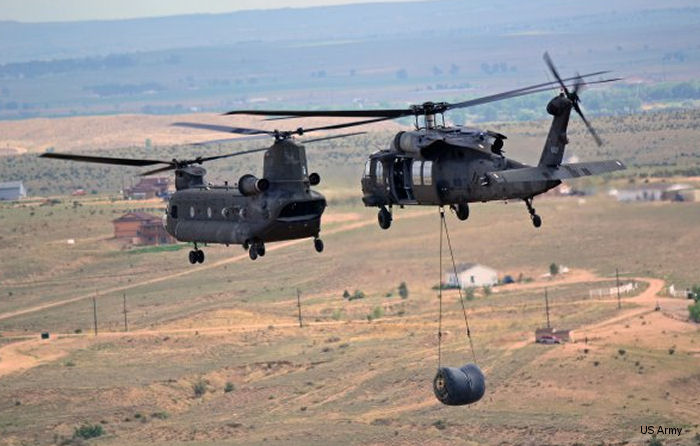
column 299, row 306
column 94, row 313
column 126, row 324
column 546, row 305
column 617, row 282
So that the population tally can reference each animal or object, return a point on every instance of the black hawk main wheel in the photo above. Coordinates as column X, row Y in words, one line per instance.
column 462, row 211
column 384, row 218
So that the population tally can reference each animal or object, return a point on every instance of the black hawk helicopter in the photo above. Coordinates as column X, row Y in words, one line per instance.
column 279, row 206
column 456, row 165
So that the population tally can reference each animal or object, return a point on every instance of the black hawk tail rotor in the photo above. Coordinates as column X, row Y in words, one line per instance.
column 573, row 96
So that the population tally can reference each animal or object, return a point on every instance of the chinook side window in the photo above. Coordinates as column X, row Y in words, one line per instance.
column 415, row 172
column 379, row 173
column 427, row 173
column 173, row 211
column 368, row 166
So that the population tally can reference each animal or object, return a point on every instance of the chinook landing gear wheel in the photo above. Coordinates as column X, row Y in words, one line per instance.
column 246, row 245
column 461, row 211
column 260, row 249
column 318, row 245
column 536, row 219
column 196, row 256
column 384, row 218
column 253, row 253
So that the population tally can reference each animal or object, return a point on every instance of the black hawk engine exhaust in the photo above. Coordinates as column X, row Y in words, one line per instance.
column 459, row 386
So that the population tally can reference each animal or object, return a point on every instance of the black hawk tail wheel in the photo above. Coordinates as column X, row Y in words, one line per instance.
column 462, row 211
column 318, row 244
column 384, row 218
column 253, row 253
column 536, row 220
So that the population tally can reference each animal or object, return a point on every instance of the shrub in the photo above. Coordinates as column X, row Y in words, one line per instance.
column 554, row 269
column 487, row 290
column 403, row 290
column 622, row 352
column 655, row 441
column 228, row 387
column 694, row 311
column 337, row 314
column 440, row 424
column 346, row 294
column 469, row 293
column 357, row 295
column 199, row 388
column 88, row 431
column 161, row 415
column 376, row 313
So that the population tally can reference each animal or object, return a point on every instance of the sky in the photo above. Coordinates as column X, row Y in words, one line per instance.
column 75, row 10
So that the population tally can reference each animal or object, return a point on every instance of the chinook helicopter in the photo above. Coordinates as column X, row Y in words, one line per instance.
column 279, row 206
column 440, row 165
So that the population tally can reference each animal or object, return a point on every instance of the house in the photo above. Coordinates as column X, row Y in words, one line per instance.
column 472, row 275
column 148, row 188
column 653, row 192
column 12, row 191
column 140, row 228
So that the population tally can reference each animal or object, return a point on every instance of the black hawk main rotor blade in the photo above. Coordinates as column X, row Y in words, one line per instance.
column 385, row 114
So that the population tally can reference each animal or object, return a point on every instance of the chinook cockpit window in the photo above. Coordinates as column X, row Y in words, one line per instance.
column 301, row 208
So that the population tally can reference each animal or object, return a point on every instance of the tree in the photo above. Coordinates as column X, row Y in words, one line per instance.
column 554, row 269
column 346, row 294
column 403, row 290
column 694, row 311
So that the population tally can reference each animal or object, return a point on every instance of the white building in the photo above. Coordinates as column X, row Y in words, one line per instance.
column 13, row 190
column 472, row 275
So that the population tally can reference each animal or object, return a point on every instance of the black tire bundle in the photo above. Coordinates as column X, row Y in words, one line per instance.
column 459, row 386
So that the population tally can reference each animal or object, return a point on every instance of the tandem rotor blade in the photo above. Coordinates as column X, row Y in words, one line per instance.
column 257, row 133
column 160, row 169
column 104, row 159
column 222, row 128
column 326, row 138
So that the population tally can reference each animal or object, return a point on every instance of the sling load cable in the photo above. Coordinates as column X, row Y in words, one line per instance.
column 443, row 224
column 455, row 386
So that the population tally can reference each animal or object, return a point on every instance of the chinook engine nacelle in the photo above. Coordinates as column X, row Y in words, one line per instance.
column 250, row 185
